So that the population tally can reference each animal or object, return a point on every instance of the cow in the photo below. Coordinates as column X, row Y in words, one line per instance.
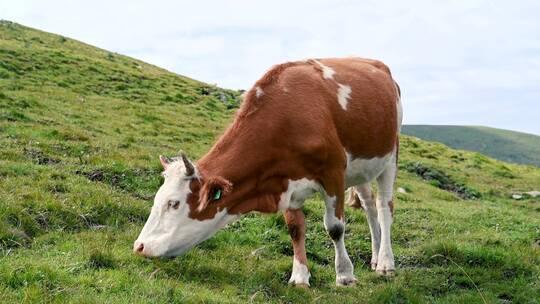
column 318, row 125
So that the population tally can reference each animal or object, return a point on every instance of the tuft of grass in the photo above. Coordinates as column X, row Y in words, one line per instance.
column 98, row 260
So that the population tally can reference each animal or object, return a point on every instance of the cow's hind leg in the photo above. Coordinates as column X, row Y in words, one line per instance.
column 385, row 210
column 297, row 230
column 335, row 226
column 365, row 199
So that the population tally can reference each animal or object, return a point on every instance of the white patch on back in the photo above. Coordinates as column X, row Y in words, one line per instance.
column 343, row 95
column 360, row 171
column 328, row 72
column 259, row 92
column 344, row 91
column 297, row 192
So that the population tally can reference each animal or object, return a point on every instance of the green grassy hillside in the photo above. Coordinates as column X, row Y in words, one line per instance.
column 510, row 146
column 80, row 132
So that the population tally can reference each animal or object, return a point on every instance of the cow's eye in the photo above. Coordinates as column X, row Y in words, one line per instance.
column 174, row 204
column 217, row 194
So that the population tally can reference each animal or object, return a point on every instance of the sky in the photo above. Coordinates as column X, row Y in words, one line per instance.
column 470, row 62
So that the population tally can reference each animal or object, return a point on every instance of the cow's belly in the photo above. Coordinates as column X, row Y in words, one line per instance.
column 360, row 171
column 297, row 192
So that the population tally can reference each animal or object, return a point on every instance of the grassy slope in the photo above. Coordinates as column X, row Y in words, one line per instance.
column 501, row 144
column 80, row 133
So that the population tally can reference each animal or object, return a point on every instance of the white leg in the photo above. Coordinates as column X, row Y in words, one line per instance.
column 336, row 229
column 297, row 230
column 368, row 203
column 385, row 260
column 300, row 274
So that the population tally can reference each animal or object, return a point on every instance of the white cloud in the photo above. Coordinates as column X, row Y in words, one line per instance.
column 469, row 62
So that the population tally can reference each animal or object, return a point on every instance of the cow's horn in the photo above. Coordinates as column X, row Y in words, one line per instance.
column 190, row 169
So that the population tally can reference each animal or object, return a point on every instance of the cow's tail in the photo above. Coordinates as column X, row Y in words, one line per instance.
column 399, row 122
column 399, row 107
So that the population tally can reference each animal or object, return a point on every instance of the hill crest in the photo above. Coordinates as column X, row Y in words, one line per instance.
column 505, row 145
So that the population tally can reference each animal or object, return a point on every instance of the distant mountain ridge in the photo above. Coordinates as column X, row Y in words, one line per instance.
column 506, row 145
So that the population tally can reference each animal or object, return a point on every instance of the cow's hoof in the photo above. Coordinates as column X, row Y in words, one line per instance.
column 385, row 266
column 346, row 281
column 301, row 285
column 299, row 282
column 373, row 266
column 386, row 272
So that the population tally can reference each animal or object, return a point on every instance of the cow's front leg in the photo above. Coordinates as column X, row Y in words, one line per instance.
column 297, row 230
column 335, row 226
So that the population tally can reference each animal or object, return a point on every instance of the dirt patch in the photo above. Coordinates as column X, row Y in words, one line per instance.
column 440, row 180
column 139, row 182
column 39, row 157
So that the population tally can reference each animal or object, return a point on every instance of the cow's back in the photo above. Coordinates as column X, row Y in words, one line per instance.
column 353, row 97
column 295, row 121
column 368, row 124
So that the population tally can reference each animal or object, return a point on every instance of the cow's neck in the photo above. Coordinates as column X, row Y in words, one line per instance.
column 231, row 157
column 241, row 156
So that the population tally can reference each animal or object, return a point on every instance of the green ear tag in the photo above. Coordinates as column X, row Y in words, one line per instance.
column 217, row 194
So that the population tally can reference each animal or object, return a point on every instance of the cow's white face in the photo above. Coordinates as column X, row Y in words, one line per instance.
column 169, row 230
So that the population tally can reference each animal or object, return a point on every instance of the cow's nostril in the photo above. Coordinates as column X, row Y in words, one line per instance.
column 140, row 248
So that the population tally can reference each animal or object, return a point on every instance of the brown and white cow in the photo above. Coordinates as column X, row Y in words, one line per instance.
column 308, row 126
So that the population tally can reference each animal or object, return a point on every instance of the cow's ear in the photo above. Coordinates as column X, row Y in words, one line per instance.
column 165, row 161
column 213, row 190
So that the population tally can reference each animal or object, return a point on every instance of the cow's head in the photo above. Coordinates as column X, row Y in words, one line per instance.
column 187, row 210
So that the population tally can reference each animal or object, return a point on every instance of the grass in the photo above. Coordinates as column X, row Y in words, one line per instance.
column 506, row 145
column 81, row 129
